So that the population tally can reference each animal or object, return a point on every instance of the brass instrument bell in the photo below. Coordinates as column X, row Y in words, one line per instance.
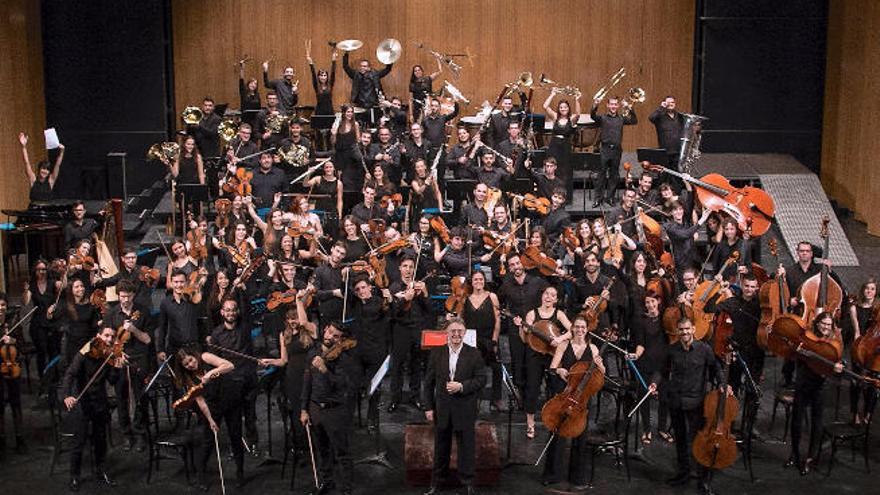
column 192, row 115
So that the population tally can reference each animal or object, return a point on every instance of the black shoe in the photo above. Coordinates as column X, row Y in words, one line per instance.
column 791, row 462
column 597, row 203
column 74, row 484
column 140, row 445
column 432, row 491
column 808, row 466
column 392, row 407
column 706, row 489
column 102, row 477
column 679, row 479
column 325, row 488
column 129, row 444
column 418, row 404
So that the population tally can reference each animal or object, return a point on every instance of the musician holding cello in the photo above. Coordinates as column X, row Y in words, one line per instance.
column 568, row 353
column 689, row 363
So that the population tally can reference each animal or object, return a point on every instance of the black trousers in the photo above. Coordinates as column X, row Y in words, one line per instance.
column 467, row 452
column 536, row 373
column 578, row 453
column 609, row 172
column 137, row 424
column 10, row 393
column 332, row 431
column 491, row 358
column 47, row 342
column 806, row 399
column 227, row 410
column 405, row 355
column 250, row 392
column 86, row 414
column 685, row 424
column 517, row 356
column 370, row 362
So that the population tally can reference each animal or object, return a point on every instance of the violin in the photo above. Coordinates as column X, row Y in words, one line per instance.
column 98, row 299
column 703, row 292
column 194, row 283
column 459, row 290
column 377, row 230
column 198, row 247
column 716, row 193
column 672, row 315
column 569, row 239
column 594, row 306
column 821, row 293
column 722, row 329
column 251, row 268
column 866, row 348
column 395, row 200
column 87, row 262
column 492, row 197
column 239, row 256
column 333, row 353
column 390, row 247
column 123, row 336
column 240, row 183
column 9, row 365
column 189, row 398
column 58, row 266
column 223, row 206
column 565, row 414
column 715, row 445
column 774, row 297
column 627, row 178
column 380, row 277
column 279, row 298
column 296, row 230
column 439, row 226
column 533, row 203
column 533, row 258
column 614, row 253
column 149, row 276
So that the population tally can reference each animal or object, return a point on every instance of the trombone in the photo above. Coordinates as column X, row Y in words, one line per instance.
column 569, row 90
column 615, row 79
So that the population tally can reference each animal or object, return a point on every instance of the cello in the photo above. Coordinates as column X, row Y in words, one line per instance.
column 539, row 336
column 866, row 348
column 715, row 445
column 774, row 296
column 565, row 414
column 821, row 293
column 716, row 193
column 705, row 291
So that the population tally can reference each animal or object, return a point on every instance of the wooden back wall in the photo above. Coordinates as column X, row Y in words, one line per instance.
column 573, row 41
column 852, row 82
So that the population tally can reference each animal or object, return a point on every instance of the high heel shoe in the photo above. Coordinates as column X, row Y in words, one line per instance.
column 530, row 431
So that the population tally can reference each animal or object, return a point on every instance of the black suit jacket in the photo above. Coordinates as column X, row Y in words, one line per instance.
column 458, row 409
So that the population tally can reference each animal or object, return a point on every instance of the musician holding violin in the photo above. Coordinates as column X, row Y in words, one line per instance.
column 371, row 312
column 453, row 257
column 10, row 378
column 683, row 380
column 557, row 218
column 474, row 212
column 78, row 314
column 143, row 278
column 412, row 313
column 201, row 377
column 82, row 266
column 566, row 355
column 180, row 261
column 131, row 321
column 85, row 394
column 330, row 286
column 808, row 394
column 178, row 315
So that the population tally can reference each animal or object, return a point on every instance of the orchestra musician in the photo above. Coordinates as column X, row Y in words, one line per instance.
column 611, row 138
column 547, row 181
column 206, row 131
column 345, row 134
column 564, row 128
column 488, row 173
column 681, row 236
column 248, row 95
column 451, row 396
column 371, row 326
column 385, row 154
column 434, row 123
column 731, row 242
column 500, row 122
column 414, row 147
column 286, row 88
column 474, row 212
column 270, row 135
column 623, row 213
column 861, row 319
column 412, row 313
column 328, row 285
column 93, row 414
column 79, row 227
column 514, row 148
column 239, row 147
column 558, row 218
column 78, row 317
column 267, row 181
column 295, row 139
column 669, row 124
column 454, row 257
column 322, row 83
column 41, row 290
column 458, row 158
column 330, row 386
column 43, row 182
column 329, row 187
column 649, row 347
column 178, row 316
column 10, row 380
column 482, row 312
column 420, row 89
column 366, row 83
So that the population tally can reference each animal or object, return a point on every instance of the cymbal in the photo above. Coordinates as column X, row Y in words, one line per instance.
column 389, row 51
column 349, row 45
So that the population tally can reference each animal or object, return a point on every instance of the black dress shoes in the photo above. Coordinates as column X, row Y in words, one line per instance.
column 432, row 491
column 392, row 407
column 470, row 490
column 103, row 477
column 74, row 484
column 809, row 465
column 597, row 203
column 325, row 488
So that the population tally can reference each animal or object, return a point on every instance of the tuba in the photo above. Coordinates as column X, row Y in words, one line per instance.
column 690, row 141
column 227, row 130
column 166, row 151
column 633, row 96
column 192, row 115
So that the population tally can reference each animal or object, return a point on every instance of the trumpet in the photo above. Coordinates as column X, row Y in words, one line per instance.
column 192, row 115
column 166, row 151
column 227, row 130
column 615, row 79
column 633, row 96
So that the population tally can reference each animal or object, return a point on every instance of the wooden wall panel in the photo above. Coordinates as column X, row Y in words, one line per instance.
column 850, row 146
column 573, row 41
column 21, row 80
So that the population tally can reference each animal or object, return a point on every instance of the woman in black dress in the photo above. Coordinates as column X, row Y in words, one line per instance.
column 425, row 191
column 249, row 97
column 43, row 181
column 181, row 262
column 355, row 245
column 41, row 291
column 730, row 242
column 861, row 318
column 328, row 188
column 567, row 354
column 189, row 168
column 323, row 82
column 420, row 86
column 345, row 134
column 564, row 128
column 482, row 313
column 79, row 318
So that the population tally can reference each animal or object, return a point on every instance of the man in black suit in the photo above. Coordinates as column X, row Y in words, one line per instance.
column 452, row 389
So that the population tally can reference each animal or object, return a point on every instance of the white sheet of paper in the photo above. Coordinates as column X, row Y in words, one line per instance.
column 51, row 138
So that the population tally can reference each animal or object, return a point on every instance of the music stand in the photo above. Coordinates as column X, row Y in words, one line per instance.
column 521, row 185
column 192, row 193
column 459, row 189
column 658, row 156
column 538, row 156
column 585, row 162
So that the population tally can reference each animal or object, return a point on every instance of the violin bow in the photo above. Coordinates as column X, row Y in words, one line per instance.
column 219, row 462
column 19, row 322
column 345, row 295
column 312, row 453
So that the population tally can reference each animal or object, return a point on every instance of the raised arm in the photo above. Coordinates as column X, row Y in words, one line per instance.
column 347, row 68
column 549, row 111
column 266, row 82
column 23, row 139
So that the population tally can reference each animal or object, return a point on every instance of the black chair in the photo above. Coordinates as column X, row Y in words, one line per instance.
column 857, row 435
column 785, row 398
column 180, row 443
column 61, row 434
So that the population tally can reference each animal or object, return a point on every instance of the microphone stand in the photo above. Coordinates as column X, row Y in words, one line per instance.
column 513, row 402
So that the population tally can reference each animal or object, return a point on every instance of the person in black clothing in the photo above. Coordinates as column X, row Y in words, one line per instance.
column 386, row 154
column 434, row 123
column 454, row 258
column 808, row 391
column 519, row 293
column 451, row 395
column 731, row 243
column 268, row 181
column 40, row 291
column 474, row 213
column 619, row 214
column 242, row 146
column 546, row 182
column 577, row 350
column 234, row 334
column 500, row 122
column 611, row 138
column 43, row 181
column 249, row 96
column 459, row 158
column 371, row 326
column 322, row 83
column 482, row 312
column 650, row 345
column 366, row 83
column 328, row 286
column 219, row 399
column 188, row 168
column 412, row 314
column 369, row 208
column 269, row 126
column 681, row 237
column 564, row 124
column 557, row 219
column 79, row 319
column 416, row 146
column 206, row 131
column 420, row 88
column 330, row 386
column 178, row 317
column 689, row 364
column 129, row 316
column 79, row 227
column 10, row 385
column 514, row 148
column 669, row 123
column 93, row 411
column 285, row 87
column 345, row 136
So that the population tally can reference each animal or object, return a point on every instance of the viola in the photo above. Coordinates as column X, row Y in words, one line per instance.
column 569, row 239
column 239, row 256
column 706, row 290
column 533, row 258
column 715, row 445
column 774, row 297
column 87, row 262
column 534, row 203
column 390, row 247
column 240, row 183
column 377, row 230
column 149, row 276
column 279, row 298
column 594, row 306
column 198, row 247
column 333, row 353
column 98, row 299
column 380, row 277
column 251, row 268
column 439, row 226
column 460, row 290
column 189, row 398
column 821, row 293
column 223, row 206
column 565, row 414
column 9, row 365
column 395, row 200
column 123, row 336
column 716, row 193
column 296, row 230
column 194, row 282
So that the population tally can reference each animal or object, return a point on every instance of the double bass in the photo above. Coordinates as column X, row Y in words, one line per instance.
column 705, row 291
column 715, row 445
column 774, row 296
column 866, row 348
column 821, row 293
